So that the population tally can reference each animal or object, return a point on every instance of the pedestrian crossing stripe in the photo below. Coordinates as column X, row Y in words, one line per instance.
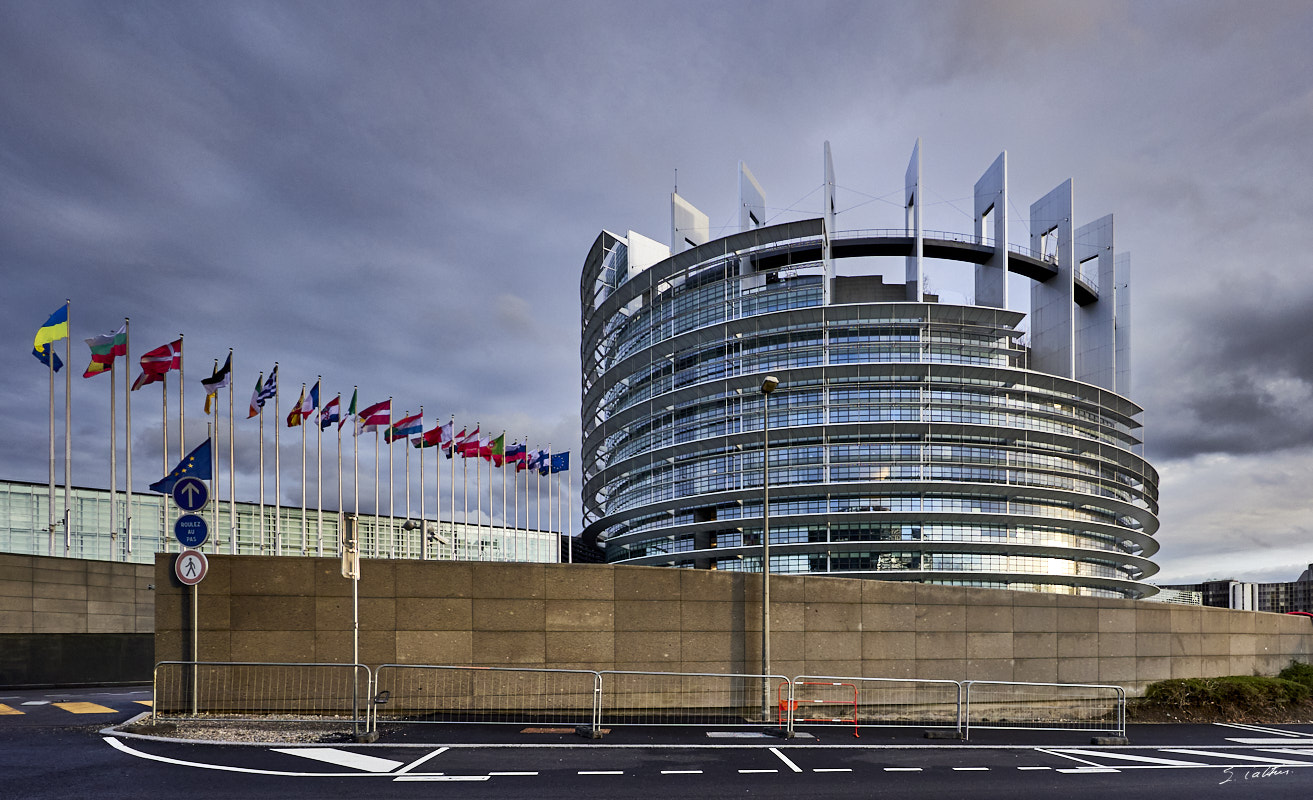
column 85, row 708
column 4, row 709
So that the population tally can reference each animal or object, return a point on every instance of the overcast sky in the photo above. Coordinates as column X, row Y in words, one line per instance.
column 401, row 196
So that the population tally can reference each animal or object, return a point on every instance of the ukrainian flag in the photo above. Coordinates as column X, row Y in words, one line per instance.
column 55, row 328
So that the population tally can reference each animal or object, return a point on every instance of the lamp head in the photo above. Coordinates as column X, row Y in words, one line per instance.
column 768, row 385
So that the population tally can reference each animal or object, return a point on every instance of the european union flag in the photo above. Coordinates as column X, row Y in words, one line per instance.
column 45, row 353
column 561, row 461
column 196, row 465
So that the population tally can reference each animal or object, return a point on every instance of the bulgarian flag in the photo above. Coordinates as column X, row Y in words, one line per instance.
column 497, row 449
column 104, row 349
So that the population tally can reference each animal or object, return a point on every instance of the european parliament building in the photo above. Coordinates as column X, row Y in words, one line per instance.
column 908, row 439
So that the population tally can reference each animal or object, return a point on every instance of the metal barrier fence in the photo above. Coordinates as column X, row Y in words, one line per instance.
column 426, row 693
column 688, row 698
column 409, row 693
column 1044, row 706
column 269, row 692
column 873, row 702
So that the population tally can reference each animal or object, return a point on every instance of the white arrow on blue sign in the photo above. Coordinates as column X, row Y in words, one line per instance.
column 191, row 494
column 191, row 530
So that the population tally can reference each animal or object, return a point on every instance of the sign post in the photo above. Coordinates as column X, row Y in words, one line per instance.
column 191, row 494
column 351, row 571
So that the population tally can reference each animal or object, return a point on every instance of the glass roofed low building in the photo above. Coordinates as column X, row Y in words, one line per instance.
column 909, row 439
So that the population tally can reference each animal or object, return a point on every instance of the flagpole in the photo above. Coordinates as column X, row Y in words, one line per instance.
column 569, row 534
column 515, row 550
column 232, row 463
column 464, row 479
column 339, row 477
column 405, row 447
column 214, row 459
column 127, row 423
column 259, row 382
column 376, row 516
column 164, row 505
column 68, row 427
column 455, row 552
column 355, row 459
column 478, row 492
column 515, row 493
column 182, row 410
column 113, row 457
column 278, row 473
column 305, row 533
column 319, row 475
column 423, row 522
column 50, row 367
column 392, row 492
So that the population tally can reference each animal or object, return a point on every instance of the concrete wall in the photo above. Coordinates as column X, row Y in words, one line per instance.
column 66, row 621
column 651, row 618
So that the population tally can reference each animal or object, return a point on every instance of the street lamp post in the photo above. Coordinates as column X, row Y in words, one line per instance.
column 767, row 386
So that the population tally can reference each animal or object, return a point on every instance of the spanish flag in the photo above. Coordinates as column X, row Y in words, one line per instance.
column 55, row 328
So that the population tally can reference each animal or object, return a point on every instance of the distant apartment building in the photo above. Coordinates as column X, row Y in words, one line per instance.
column 1296, row 595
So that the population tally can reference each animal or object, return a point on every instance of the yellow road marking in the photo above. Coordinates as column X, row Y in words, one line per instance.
column 146, row 703
column 85, row 708
column 4, row 709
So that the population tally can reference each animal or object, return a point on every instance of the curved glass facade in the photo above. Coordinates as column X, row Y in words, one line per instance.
column 908, row 440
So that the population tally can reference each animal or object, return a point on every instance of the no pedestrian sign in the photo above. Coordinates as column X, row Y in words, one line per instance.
column 191, row 566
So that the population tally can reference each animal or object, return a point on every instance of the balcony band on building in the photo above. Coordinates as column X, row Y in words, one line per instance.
column 910, row 439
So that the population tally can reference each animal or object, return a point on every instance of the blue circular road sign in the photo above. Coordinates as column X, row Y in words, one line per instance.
column 191, row 494
column 191, row 530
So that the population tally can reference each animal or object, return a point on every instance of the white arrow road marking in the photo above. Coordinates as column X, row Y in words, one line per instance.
column 1285, row 762
column 117, row 745
column 786, row 760
column 342, row 758
column 1158, row 762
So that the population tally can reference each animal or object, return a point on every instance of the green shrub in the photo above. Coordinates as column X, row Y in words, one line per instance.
column 1299, row 673
column 1237, row 693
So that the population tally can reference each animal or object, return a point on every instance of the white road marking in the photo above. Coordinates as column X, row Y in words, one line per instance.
column 36, row 703
column 601, row 772
column 786, row 760
column 1285, row 762
column 1258, row 741
column 756, row 771
column 117, row 745
column 510, row 774
column 1034, row 767
column 437, row 778
column 831, row 769
column 902, row 769
column 342, row 758
column 1084, row 770
column 1160, row 762
column 681, row 772
column 971, row 769
column 1263, row 729
column 421, row 760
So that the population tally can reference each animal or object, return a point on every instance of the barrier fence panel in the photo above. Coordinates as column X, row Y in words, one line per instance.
column 428, row 693
column 1045, row 706
column 873, row 702
column 689, row 698
column 269, row 692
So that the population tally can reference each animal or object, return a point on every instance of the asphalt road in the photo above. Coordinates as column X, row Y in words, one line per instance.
column 54, row 744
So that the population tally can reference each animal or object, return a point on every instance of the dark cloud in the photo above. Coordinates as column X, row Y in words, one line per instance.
column 399, row 195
